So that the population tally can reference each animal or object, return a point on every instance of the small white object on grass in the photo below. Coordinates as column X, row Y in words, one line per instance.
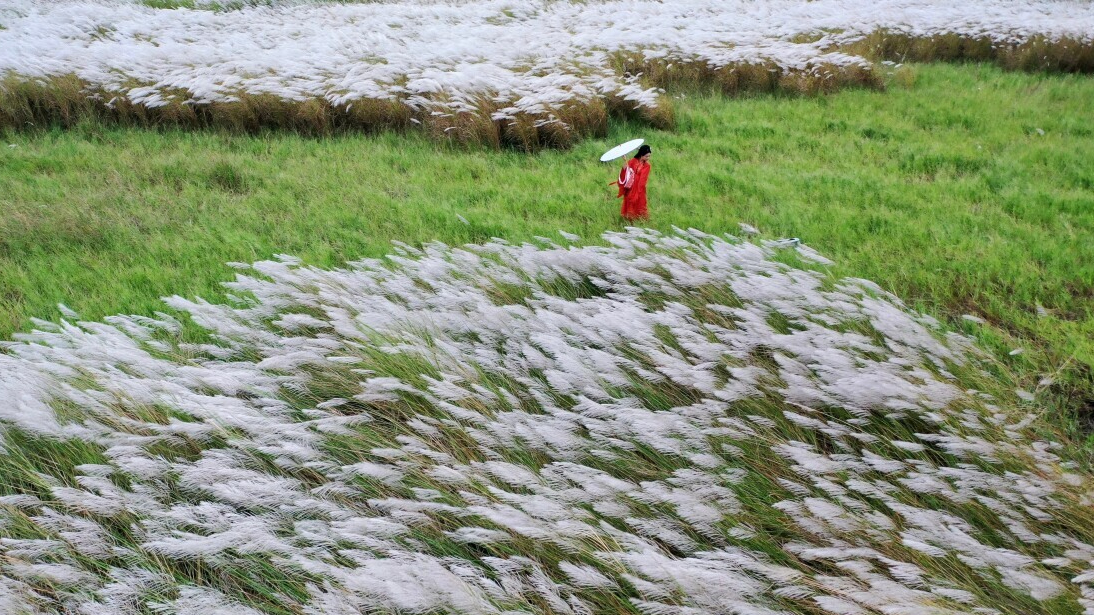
column 462, row 219
column 1016, row 352
column 971, row 318
column 748, row 229
column 1024, row 395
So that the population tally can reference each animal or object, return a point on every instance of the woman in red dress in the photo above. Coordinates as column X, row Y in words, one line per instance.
column 632, row 185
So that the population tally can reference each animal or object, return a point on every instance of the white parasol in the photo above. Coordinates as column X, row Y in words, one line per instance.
column 621, row 150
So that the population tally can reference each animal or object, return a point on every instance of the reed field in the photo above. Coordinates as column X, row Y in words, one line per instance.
column 631, row 423
column 301, row 330
column 668, row 423
column 943, row 190
column 503, row 74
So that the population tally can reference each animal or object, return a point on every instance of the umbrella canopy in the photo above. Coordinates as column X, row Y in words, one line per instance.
column 621, row 150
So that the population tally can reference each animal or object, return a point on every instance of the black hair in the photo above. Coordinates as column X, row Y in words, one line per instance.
column 642, row 151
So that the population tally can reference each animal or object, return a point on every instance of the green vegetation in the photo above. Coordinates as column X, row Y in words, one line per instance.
column 169, row 4
column 562, row 443
column 966, row 190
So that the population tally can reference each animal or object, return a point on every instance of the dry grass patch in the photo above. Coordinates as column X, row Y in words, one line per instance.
column 1065, row 54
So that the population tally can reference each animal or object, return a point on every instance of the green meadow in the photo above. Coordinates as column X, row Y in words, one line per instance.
column 963, row 189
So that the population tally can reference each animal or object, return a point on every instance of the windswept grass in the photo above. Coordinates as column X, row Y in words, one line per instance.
column 1064, row 54
column 665, row 422
column 65, row 101
column 969, row 192
column 748, row 78
column 544, row 76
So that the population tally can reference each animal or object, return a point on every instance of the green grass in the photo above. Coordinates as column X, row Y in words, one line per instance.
column 970, row 190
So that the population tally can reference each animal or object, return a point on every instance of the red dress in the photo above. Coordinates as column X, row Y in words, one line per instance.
column 633, row 189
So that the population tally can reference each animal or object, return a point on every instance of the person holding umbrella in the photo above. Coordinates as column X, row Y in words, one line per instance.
column 632, row 185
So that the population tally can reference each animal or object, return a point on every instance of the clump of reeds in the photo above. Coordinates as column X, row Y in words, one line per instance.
column 1037, row 53
column 494, row 124
column 541, row 77
column 66, row 100
column 663, row 116
column 747, row 77
column 28, row 103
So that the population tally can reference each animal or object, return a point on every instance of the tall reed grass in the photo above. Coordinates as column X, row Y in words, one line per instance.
column 1064, row 54
column 66, row 100
column 672, row 423
column 552, row 74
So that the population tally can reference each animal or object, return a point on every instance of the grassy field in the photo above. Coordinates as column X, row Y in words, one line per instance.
column 966, row 190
